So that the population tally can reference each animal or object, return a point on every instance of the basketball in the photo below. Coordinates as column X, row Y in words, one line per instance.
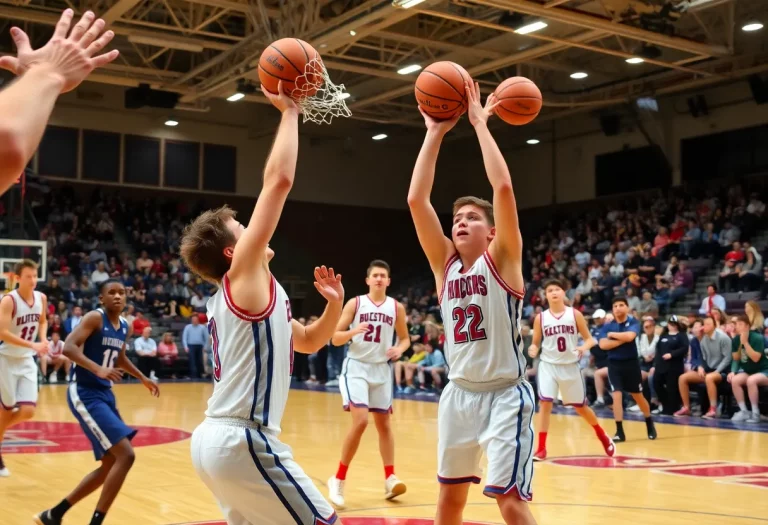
column 440, row 90
column 286, row 59
column 519, row 101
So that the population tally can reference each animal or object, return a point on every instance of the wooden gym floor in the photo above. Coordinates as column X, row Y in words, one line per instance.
column 691, row 475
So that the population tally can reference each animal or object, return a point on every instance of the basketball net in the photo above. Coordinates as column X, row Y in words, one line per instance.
column 327, row 103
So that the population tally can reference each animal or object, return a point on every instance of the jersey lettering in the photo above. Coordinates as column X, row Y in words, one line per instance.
column 467, row 286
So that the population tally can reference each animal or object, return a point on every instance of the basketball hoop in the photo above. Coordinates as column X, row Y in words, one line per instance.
column 319, row 103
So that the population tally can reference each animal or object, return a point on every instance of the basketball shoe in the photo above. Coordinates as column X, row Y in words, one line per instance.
column 393, row 487
column 45, row 518
column 336, row 491
column 4, row 472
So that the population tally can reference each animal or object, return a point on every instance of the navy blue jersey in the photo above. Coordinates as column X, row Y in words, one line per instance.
column 102, row 348
column 624, row 351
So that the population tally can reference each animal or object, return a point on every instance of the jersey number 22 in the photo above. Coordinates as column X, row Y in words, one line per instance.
column 464, row 331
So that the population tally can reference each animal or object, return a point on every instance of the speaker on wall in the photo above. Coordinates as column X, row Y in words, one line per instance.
column 759, row 89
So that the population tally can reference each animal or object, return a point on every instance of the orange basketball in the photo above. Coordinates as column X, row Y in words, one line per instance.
column 286, row 60
column 520, row 101
column 440, row 90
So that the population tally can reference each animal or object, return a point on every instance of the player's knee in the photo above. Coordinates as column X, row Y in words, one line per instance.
column 511, row 504
column 453, row 498
column 360, row 423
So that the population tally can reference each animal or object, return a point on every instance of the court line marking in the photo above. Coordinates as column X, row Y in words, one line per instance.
column 719, row 424
column 546, row 504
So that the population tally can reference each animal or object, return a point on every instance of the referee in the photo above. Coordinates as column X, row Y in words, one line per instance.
column 617, row 338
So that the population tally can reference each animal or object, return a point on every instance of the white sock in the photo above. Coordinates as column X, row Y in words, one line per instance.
column 742, row 406
column 756, row 409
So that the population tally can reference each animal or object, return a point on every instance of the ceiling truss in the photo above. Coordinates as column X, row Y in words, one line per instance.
column 202, row 48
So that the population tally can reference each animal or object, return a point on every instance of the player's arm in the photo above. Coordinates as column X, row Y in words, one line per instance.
column 6, row 320
column 73, row 347
column 309, row 340
column 506, row 249
column 42, row 331
column 343, row 333
column 44, row 73
column 581, row 326
column 403, row 338
column 249, row 258
column 437, row 247
column 533, row 349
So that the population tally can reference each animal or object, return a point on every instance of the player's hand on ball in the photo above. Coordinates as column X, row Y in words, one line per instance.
column 151, row 386
column 110, row 374
column 328, row 284
column 478, row 114
column 68, row 55
column 280, row 100
column 439, row 126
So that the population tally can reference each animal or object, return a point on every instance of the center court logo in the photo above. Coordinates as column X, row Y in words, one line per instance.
column 351, row 520
column 40, row 437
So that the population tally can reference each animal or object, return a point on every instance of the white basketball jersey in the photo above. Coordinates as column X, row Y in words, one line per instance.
column 559, row 337
column 25, row 321
column 481, row 316
column 252, row 358
column 372, row 345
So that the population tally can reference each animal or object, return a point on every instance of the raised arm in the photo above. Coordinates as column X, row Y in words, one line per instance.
column 506, row 249
column 73, row 347
column 343, row 333
column 533, row 349
column 437, row 247
column 56, row 68
column 249, row 263
column 6, row 318
column 309, row 340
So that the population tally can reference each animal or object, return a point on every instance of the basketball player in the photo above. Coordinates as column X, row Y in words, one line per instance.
column 22, row 320
column 618, row 338
column 236, row 450
column 488, row 405
column 59, row 66
column 97, row 349
column 372, row 323
column 557, row 330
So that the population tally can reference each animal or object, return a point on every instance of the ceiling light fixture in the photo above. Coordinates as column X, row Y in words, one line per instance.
column 406, row 4
column 635, row 60
column 530, row 28
column 236, row 97
column 752, row 26
column 579, row 75
column 345, row 96
column 352, row 32
column 409, row 69
column 171, row 123
column 380, row 136
column 532, row 142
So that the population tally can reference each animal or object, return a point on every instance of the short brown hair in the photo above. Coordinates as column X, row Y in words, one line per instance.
column 553, row 282
column 483, row 204
column 25, row 263
column 743, row 318
column 203, row 243
column 377, row 263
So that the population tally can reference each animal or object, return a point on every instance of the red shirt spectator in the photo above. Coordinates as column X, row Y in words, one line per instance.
column 735, row 255
column 167, row 349
column 140, row 323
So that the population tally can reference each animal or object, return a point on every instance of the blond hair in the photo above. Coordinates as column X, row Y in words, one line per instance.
column 756, row 318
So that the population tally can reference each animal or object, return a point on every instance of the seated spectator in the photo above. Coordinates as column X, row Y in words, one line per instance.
column 405, row 369
column 736, row 254
column 682, row 283
column 710, row 368
column 73, row 320
column 755, row 316
column 434, row 365
column 749, row 369
column 599, row 356
column 691, row 241
column 750, row 273
column 167, row 351
column 100, row 274
column 146, row 349
column 712, row 300
column 55, row 357
column 139, row 323
column 55, row 326
column 648, row 306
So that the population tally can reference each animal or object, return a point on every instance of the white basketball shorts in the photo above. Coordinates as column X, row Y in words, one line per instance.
column 499, row 423
column 366, row 385
column 566, row 379
column 18, row 381
column 254, row 477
